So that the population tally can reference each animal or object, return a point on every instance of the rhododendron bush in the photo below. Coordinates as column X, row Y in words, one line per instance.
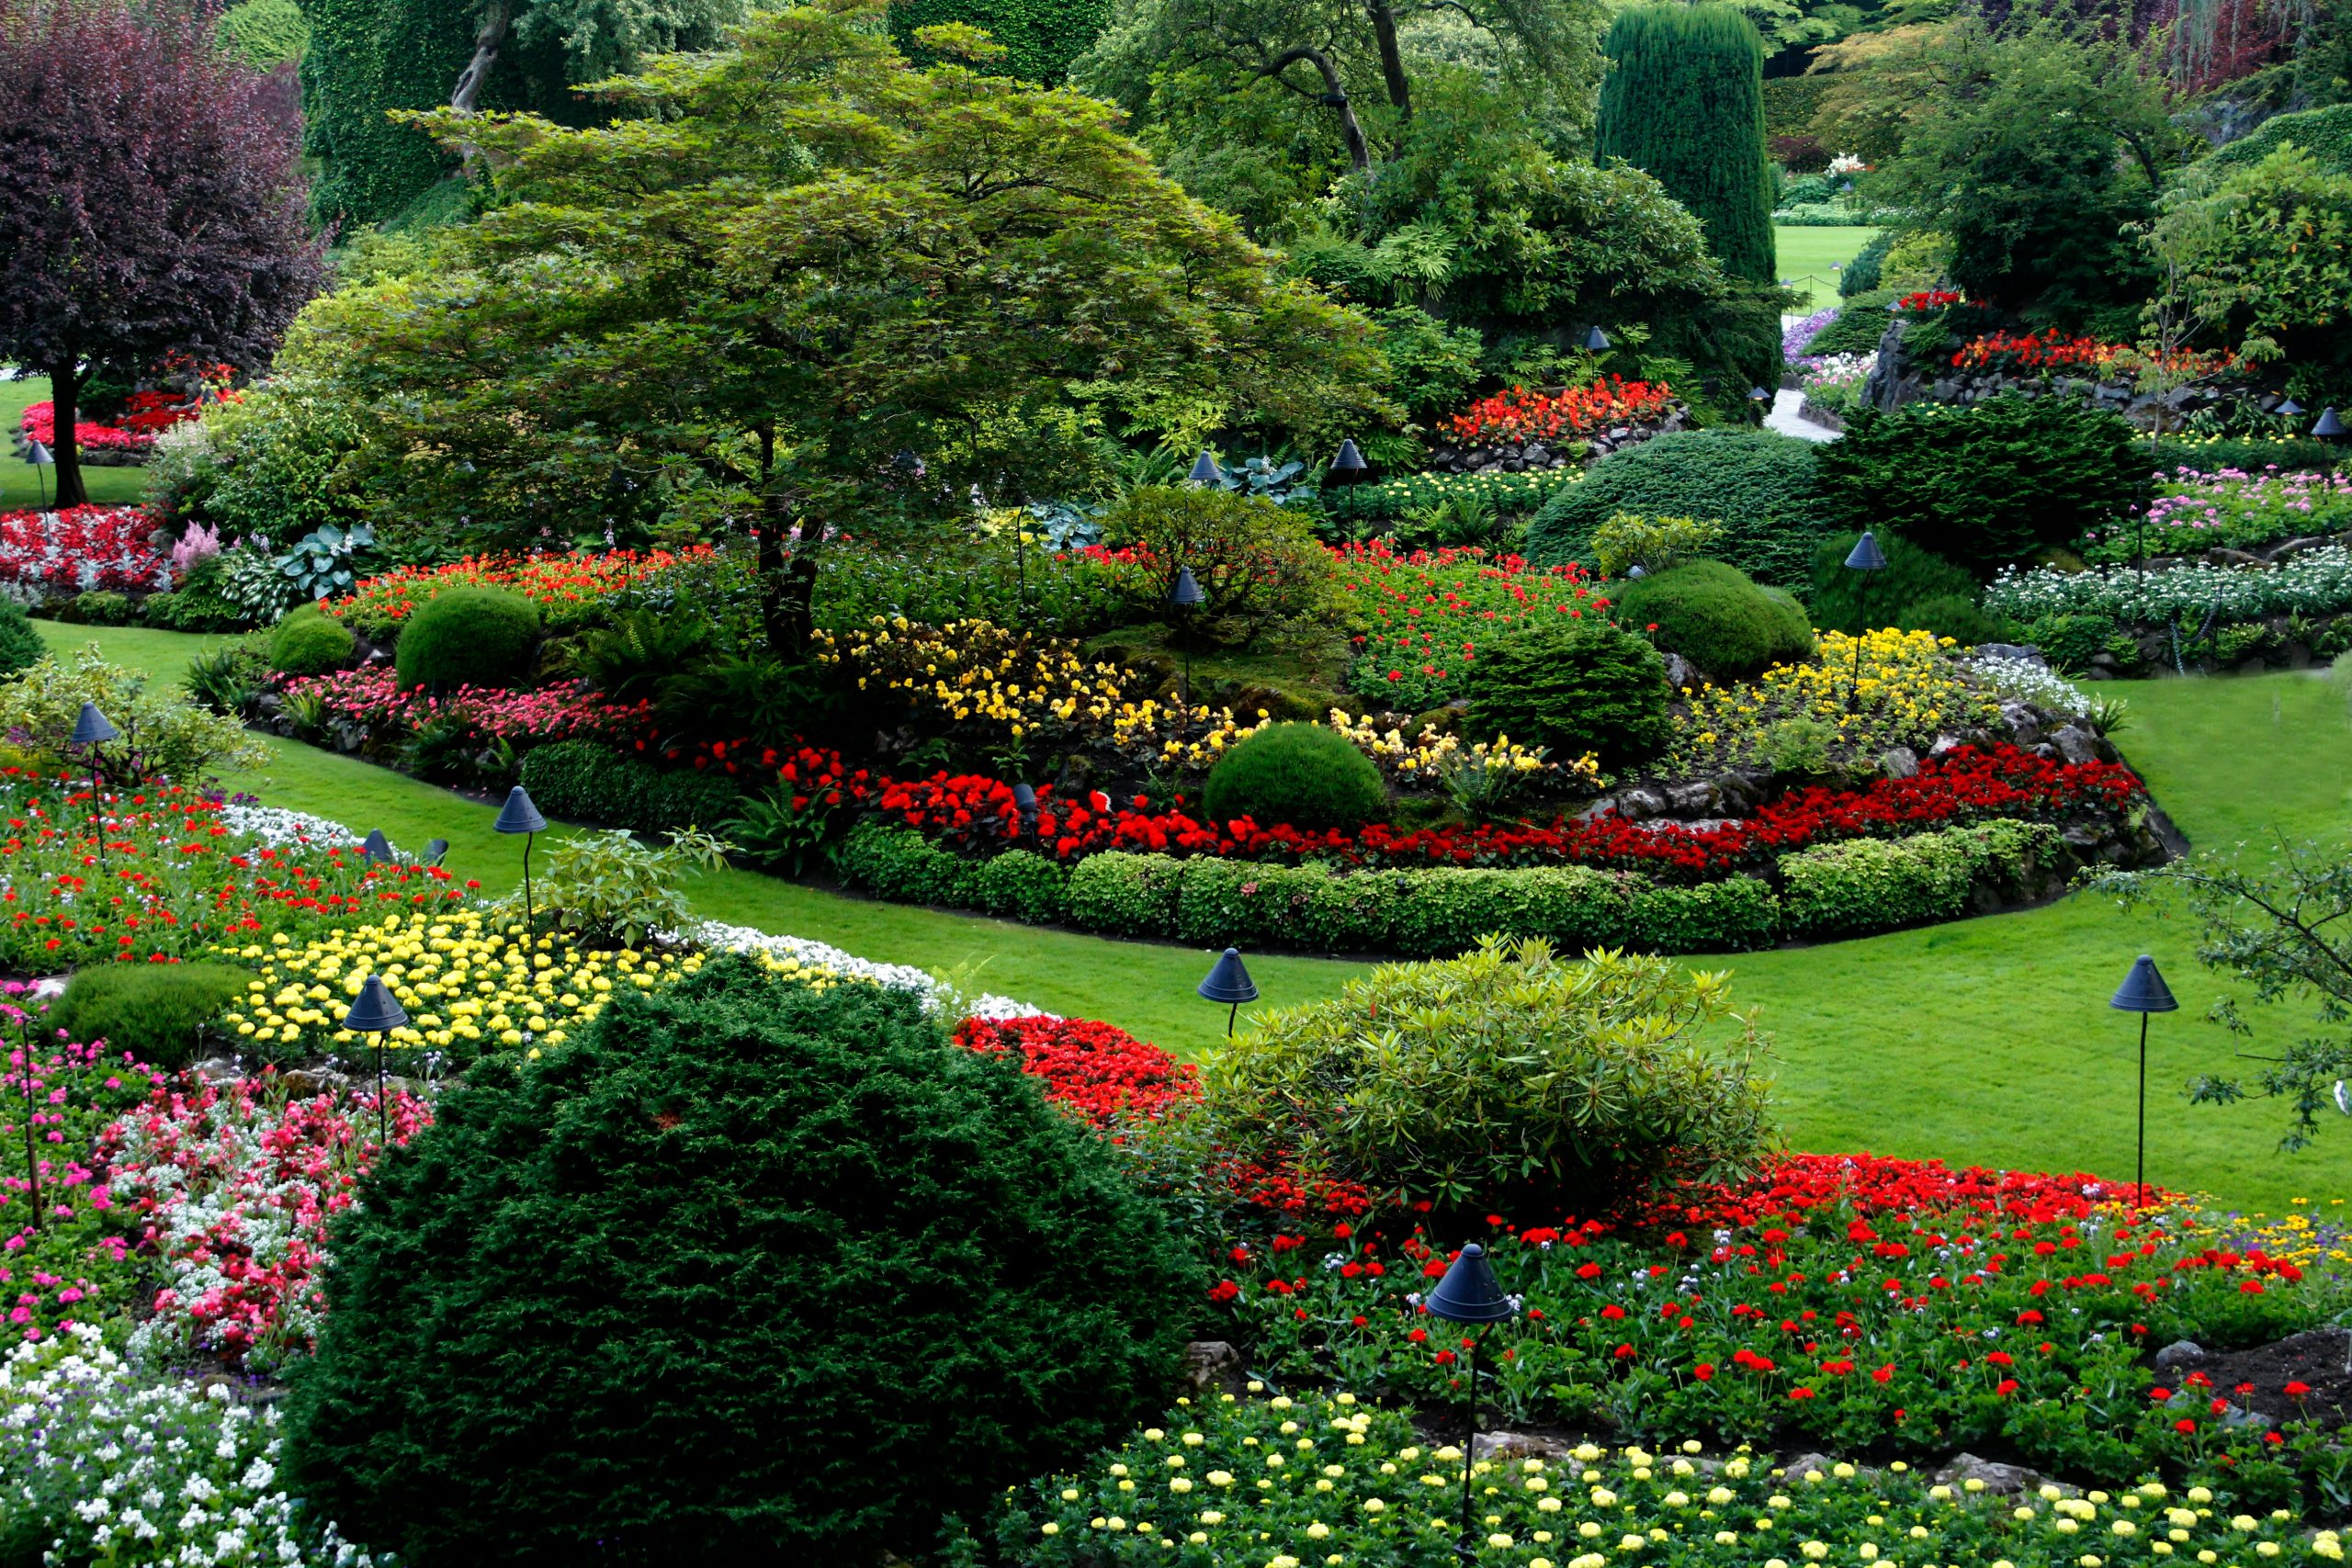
column 79, row 550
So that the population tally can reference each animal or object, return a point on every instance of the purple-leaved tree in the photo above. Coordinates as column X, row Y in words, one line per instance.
column 150, row 200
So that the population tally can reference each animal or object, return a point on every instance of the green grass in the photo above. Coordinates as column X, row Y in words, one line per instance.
column 1986, row 1041
column 1807, row 254
column 22, row 484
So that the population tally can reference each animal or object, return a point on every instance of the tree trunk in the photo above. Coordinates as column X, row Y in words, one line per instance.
column 65, row 391
column 1335, row 96
column 495, row 18
column 1391, row 60
column 788, row 588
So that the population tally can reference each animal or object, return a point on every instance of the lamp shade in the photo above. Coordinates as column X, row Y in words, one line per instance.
column 2288, row 409
column 92, row 727
column 377, row 847
column 1866, row 555
column 1596, row 341
column 2329, row 427
column 434, row 850
column 39, row 455
column 1187, row 589
column 1349, row 461
column 1229, row 981
column 2143, row 990
column 1759, row 395
column 518, row 815
column 374, row 1011
column 1206, row 472
column 1025, row 799
column 1469, row 1293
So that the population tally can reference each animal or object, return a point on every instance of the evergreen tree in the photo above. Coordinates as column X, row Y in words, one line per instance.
column 1683, row 101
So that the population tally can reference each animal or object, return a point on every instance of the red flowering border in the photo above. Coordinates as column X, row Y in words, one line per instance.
column 1522, row 415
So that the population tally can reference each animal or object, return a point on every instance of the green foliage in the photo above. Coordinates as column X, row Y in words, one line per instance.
column 227, row 678
column 99, row 607
column 1582, row 686
column 1861, row 275
column 1432, row 367
column 1654, row 544
column 1303, row 775
column 326, row 562
column 20, row 645
column 1986, row 484
column 1730, row 915
column 1511, row 496
column 583, row 782
column 309, row 642
column 155, row 1011
column 269, row 464
column 1505, row 1074
column 1877, row 883
column 746, row 696
column 1955, row 615
column 1021, row 885
column 1040, row 38
column 1125, row 894
column 1683, row 101
column 900, row 864
column 263, row 33
column 1760, row 486
column 467, row 637
column 629, row 660
column 161, row 733
column 1445, row 912
column 1715, row 616
column 2325, row 133
column 1856, row 602
column 859, row 1292
column 607, row 889
column 1858, row 327
column 1255, row 562
column 2069, row 641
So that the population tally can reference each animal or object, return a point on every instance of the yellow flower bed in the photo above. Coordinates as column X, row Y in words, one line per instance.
column 968, row 671
column 2314, row 1231
column 1911, row 690
column 466, row 980
column 1429, row 756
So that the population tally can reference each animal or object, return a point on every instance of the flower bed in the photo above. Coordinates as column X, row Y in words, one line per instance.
column 1835, row 384
column 2231, row 508
column 145, row 416
column 1100, row 1071
column 79, row 550
column 1902, row 691
column 1390, row 500
column 1521, row 415
column 1797, row 335
column 2313, row 582
column 370, row 697
column 68, row 1269
column 568, row 588
column 2056, row 351
column 1429, row 610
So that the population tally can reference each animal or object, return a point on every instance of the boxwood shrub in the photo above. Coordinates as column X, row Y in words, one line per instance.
column 309, row 642
column 1713, row 614
column 1730, row 915
column 155, row 1011
column 1761, row 486
column 886, row 1277
column 467, row 637
column 583, row 782
column 1879, row 883
column 1126, row 895
column 1301, row 775
column 1446, row 910
column 1021, row 884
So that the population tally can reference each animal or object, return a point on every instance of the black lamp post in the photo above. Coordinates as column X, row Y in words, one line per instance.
column 1469, row 1295
column 40, row 459
column 33, row 1157
column 375, row 1013
column 1206, row 472
column 1865, row 557
column 1230, row 983
column 2330, row 430
column 519, row 816
column 434, row 850
column 93, row 729
column 1348, row 471
column 2144, row 991
column 1186, row 596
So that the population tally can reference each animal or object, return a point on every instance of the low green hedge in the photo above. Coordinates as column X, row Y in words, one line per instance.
column 1861, row 885
column 583, row 782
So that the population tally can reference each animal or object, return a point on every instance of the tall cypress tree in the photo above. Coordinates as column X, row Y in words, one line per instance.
column 1683, row 101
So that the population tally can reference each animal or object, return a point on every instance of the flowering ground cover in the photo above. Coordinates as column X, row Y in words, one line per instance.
column 1426, row 612
column 567, row 587
column 2052, row 350
column 145, row 417
column 1835, row 382
column 2310, row 583
column 1902, row 690
column 1523, row 415
column 1098, row 1070
column 78, row 549
column 370, row 697
column 66, row 1267
column 2196, row 511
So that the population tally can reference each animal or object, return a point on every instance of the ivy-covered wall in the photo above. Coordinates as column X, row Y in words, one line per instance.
column 1040, row 36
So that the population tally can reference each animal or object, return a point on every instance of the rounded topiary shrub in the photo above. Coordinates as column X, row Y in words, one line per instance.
column 1585, row 686
column 1715, row 616
column 747, row 1271
column 153, row 1010
column 1520, row 1081
column 1846, row 600
column 469, row 637
column 1299, row 775
column 309, row 642
column 1761, row 487
column 20, row 645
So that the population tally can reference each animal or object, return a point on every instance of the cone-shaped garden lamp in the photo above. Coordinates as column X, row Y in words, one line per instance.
column 2144, row 991
column 2331, row 430
column 1470, row 1294
column 1206, row 472
column 1596, row 341
column 1865, row 557
column 1348, row 471
column 41, row 459
column 378, row 849
column 1186, row 596
column 374, row 1011
column 93, row 729
column 519, row 816
column 1230, row 983
column 434, row 850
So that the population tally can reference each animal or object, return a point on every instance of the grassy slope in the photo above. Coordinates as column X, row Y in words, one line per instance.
column 1987, row 1041
column 20, row 486
column 1806, row 255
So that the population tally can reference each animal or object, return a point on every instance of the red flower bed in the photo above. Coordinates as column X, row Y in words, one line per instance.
column 2055, row 351
column 1928, row 300
column 566, row 587
column 149, row 415
column 80, row 548
column 1798, row 1184
column 1522, row 415
column 971, row 811
column 1428, row 610
column 1098, row 1070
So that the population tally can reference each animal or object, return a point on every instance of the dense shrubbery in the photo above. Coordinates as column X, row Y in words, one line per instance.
column 467, row 637
column 1255, row 562
column 890, row 1271
column 585, row 782
column 1875, row 884
column 1988, row 484
column 20, row 645
column 1856, row 602
column 1573, row 688
column 1715, row 616
column 155, row 1011
column 1300, row 774
column 1760, row 485
column 1509, row 1072
column 309, row 642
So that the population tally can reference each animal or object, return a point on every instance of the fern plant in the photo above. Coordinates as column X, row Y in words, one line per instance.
column 628, row 660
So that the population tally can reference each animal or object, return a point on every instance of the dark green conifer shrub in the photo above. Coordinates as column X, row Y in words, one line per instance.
column 469, row 637
column 1760, row 485
column 1715, row 616
column 153, row 1010
column 1301, row 774
column 309, row 641
column 1854, row 601
column 20, row 646
column 1683, row 101
column 1585, row 686
column 748, row 1271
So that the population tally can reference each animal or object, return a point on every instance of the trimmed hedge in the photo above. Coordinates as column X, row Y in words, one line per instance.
column 1303, row 774
column 2325, row 134
column 1762, row 486
column 1867, row 885
column 583, row 782
column 467, row 637
column 1715, row 616
column 309, row 642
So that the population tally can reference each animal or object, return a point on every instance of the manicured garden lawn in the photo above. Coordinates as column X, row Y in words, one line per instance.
column 20, row 486
column 1986, row 1041
column 1807, row 254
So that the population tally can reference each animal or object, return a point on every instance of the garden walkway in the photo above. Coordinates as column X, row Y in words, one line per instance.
column 1788, row 418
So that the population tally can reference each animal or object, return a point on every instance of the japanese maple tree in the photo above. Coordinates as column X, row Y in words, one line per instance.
column 150, row 200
